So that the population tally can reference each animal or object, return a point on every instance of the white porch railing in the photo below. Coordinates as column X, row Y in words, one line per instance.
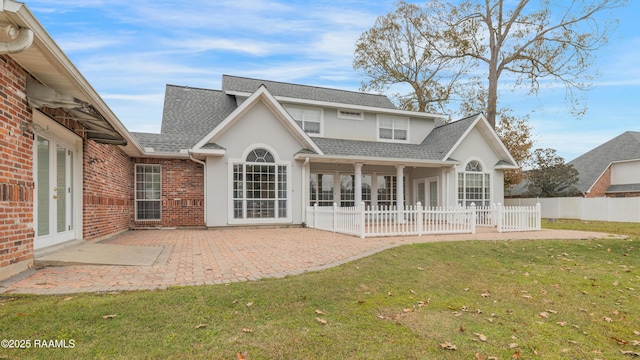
column 415, row 220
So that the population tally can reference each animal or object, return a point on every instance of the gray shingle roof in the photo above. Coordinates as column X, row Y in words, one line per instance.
column 247, row 85
column 623, row 188
column 341, row 147
column 189, row 114
column 442, row 139
column 593, row 163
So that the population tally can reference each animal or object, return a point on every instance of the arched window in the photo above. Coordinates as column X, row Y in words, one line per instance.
column 473, row 165
column 474, row 185
column 260, row 155
column 260, row 187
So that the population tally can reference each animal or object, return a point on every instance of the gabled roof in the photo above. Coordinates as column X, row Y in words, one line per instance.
column 593, row 163
column 261, row 95
column 241, row 85
column 445, row 139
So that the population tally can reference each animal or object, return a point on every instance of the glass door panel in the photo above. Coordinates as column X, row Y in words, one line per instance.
column 44, row 185
column 61, row 188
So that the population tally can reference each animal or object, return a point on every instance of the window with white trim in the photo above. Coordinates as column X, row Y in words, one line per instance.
column 260, row 187
column 474, row 185
column 148, row 192
column 393, row 128
column 350, row 114
column 309, row 119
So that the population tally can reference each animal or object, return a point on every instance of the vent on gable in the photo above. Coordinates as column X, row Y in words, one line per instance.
column 350, row 114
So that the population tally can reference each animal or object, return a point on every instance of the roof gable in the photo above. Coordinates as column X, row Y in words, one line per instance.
column 235, row 84
column 261, row 95
column 593, row 163
column 445, row 139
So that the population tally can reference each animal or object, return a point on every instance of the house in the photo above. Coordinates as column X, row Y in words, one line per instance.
column 609, row 170
column 270, row 149
column 254, row 152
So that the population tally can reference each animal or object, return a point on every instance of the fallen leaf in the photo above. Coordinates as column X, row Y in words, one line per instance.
column 448, row 346
column 109, row 316
column 200, row 326
column 492, row 358
column 239, row 356
column 543, row 315
column 481, row 337
column 235, row 301
column 419, row 268
column 552, row 311
column 320, row 312
column 407, row 310
column 412, row 292
column 635, row 342
column 526, row 296
column 389, row 293
column 321, row 321
column 629, row 353
column 561, row 323
column 620, row 341
column 485, row 295
column 480, row 356
column 616, row 283
column 516, row 355
column 68, row 298
column 607, row 319
column 381, row 317
column 636, row 332
column 513, row 345
column 246, row 330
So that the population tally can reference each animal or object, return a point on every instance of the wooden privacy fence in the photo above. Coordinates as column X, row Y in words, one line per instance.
column 367, row 221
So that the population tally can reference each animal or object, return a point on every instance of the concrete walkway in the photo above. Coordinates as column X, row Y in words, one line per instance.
column 198, row 257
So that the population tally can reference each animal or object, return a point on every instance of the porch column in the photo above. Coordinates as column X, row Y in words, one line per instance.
column 400, row 192
column 357, row 194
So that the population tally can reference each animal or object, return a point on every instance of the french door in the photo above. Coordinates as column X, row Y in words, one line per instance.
column 426, row 191
column 56, row 163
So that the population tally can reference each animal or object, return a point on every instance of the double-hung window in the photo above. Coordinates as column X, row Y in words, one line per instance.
column 393, row 128
column 148, row 192
column 309, row 118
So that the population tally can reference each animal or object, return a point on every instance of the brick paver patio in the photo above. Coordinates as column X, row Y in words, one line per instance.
column 197, row 257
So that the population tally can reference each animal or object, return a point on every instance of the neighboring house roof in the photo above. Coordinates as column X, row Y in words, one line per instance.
column 592, row 164
column 235, row 84
column 623, row 188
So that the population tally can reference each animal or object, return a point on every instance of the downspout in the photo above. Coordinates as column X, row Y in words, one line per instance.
column 204, row 165
column 21, row 39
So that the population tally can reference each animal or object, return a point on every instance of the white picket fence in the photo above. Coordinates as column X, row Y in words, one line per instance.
column 589, row 209
column 415, row 220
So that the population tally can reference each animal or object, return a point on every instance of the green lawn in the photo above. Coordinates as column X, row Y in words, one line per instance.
column 514, row 299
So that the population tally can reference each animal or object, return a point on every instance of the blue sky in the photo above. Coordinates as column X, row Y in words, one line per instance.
column 129, row 50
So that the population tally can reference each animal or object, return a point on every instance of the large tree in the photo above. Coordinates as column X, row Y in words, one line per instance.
column 533, row 40
column 551, row 177
column 395, row 51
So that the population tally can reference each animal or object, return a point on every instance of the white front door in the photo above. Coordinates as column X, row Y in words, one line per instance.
column 55, row 214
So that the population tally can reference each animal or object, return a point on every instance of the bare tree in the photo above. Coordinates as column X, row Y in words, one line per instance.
column 395, row 51
column 534, row 40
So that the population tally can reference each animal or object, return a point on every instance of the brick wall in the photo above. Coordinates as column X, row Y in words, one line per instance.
column 182, row 193
column 107, row 190
column 16, row 167
column 601, row 185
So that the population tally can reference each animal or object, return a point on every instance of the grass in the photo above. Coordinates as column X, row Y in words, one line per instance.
column 629, row 229
column 527, row 299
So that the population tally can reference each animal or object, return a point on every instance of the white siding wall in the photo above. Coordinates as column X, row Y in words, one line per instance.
column 625, row 172
column 258, row 126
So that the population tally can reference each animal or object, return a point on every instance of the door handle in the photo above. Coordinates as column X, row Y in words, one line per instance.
column 55, row 197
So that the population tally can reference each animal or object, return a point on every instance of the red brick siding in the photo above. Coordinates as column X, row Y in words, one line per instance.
column 16, row 167
column 107, row 190
column 182, row 193
column 601, row 185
